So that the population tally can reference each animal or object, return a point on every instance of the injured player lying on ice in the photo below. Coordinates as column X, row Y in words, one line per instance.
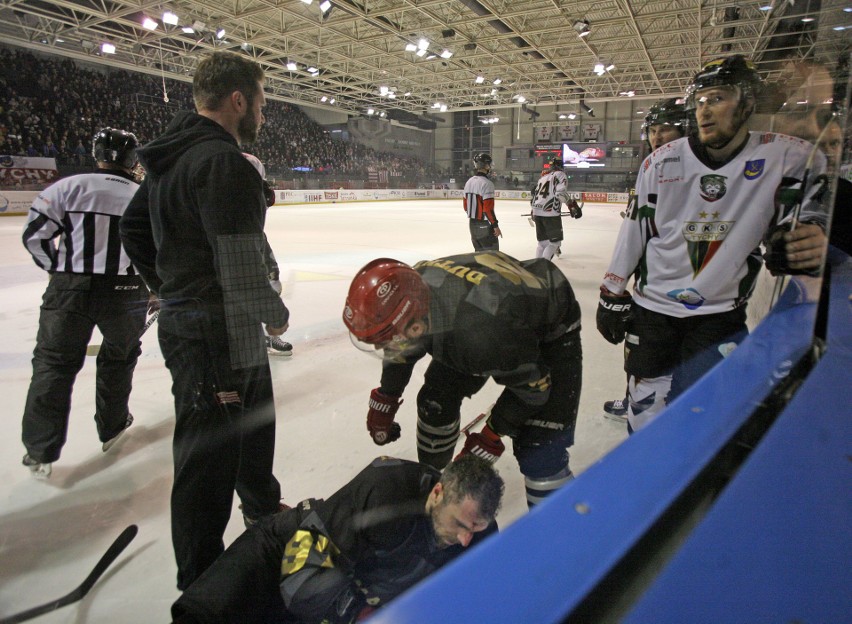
column 339, row 559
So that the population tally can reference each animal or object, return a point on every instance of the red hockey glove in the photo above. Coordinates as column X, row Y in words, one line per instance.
column 613, row 314
column 380, row 422
column 485, row 444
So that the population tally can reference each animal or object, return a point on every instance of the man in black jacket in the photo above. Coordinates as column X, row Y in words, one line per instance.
column 337, row 560
column 194, row 230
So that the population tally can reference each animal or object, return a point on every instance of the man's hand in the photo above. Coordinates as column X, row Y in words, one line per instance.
column 277, row 331
column 486, row 444
column 795, row 253
column 380, row 416
column 613, row 314
column 497, row 232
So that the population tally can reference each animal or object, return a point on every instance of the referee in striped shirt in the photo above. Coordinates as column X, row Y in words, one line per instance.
column 72, row 233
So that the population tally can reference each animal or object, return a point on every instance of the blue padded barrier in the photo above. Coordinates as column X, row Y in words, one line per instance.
column 539, row 569
column 777, row 545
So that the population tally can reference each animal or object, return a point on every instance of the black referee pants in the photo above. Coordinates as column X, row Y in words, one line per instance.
column 72, row 306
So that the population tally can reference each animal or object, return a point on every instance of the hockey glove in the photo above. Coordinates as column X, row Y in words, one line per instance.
column 268, row 194
column 574, row 209
column 613, row 314
column 380, row 422
column 486, row 444
column 776, row 254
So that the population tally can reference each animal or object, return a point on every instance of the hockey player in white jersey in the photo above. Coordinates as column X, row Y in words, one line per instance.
column 479, row 205
column 274, row 344
column 546, row 203
column 705, row 204
column 666, row 121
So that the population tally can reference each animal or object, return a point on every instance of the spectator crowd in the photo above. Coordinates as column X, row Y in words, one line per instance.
column 53, row 107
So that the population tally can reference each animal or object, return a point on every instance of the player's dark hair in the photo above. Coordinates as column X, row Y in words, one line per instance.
column 221, row 73
column 472, row 476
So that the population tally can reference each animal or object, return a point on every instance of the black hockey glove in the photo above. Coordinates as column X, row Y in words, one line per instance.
column 613, row 314
column 776, row 254
column 268, row 194
column 575, row 209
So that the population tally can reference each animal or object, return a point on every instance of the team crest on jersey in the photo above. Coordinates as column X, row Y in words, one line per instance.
column 703, row 239
column 690, row 298
column 754, row 169
column 713, row 187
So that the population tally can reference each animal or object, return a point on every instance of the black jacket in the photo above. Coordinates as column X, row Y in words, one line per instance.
column 194, row 231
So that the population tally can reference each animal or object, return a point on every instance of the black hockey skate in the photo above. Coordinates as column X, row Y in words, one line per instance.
column 616, row 410
column 111, row 442
column 39, row 470
column 276, row 346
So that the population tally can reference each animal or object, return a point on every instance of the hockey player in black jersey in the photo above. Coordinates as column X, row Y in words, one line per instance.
column 337, row 560
column 478, row 315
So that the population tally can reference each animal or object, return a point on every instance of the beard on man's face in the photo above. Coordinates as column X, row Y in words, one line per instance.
column 248, row 127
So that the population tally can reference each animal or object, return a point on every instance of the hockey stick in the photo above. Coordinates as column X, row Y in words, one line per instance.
column 466, row 429
column 109, row 556
column 96, row 348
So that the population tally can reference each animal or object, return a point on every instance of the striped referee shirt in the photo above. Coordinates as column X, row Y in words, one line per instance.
column 479, row 199
column 82, row 212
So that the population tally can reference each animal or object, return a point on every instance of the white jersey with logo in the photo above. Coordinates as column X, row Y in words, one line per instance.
column 549, row 194
column 696, row 228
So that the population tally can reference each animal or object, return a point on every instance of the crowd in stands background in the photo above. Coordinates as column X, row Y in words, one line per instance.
column 52, row 108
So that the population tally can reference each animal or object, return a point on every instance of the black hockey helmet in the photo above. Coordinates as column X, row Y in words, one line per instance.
column 731, row 71
column 556, row 163
column 115, row 146
column 482, row 160
column 668, row 112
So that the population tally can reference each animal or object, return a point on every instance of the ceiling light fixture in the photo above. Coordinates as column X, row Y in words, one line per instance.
column 479, row 80
column 107, row 48
column 170, row 18
column 582, row 27
column 149, row 24
column 446, row 54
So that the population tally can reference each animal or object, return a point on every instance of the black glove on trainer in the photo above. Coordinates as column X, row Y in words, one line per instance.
column 613, row 314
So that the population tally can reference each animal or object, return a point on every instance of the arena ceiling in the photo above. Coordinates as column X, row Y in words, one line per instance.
column 355, row 53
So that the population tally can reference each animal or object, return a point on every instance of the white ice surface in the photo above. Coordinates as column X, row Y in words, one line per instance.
column 52, row 533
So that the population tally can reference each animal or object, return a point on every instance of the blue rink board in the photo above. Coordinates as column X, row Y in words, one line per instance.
column 777, row 545
column 539, row 569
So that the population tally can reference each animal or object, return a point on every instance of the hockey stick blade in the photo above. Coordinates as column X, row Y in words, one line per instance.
column 101, row 566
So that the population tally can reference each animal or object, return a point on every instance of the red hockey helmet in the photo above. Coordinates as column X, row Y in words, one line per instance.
column 384, row 297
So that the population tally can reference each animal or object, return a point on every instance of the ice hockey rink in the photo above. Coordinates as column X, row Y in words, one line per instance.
column 53, row 532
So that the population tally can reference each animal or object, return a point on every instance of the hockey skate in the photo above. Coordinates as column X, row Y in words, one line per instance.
column 39, row 471
column 276, row 346
column 109, row 443
column 616, row 410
